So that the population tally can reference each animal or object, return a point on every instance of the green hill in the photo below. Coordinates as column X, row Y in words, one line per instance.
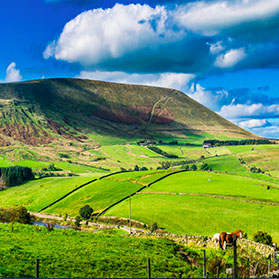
column 78, row 116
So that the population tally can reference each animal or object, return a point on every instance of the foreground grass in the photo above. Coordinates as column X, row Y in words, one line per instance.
column 200, row 215
column 68, row 254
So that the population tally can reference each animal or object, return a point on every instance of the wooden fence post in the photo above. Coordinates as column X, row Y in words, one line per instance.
column 37, row 268
column 148, row 267
column 204, row 264
column 234, row 258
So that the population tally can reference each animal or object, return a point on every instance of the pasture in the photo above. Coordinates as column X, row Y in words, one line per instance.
column 200, row 215
column 36, row 194
column 103, row 193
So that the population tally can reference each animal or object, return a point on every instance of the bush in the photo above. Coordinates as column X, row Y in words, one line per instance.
column 144, row 169
column 15, row 214
column 193, row 168
column 205, row 167
column 77, row 221
column 86, row 211
column 262, row 237
column 136, row 168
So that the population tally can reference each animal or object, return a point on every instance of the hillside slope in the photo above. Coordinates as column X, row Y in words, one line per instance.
column 41, row 111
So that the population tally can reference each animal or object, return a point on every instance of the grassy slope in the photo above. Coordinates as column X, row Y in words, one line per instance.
column 72, row 254
column 35, row 195
column 103, row 193
column 199, row 215
column 204, row 214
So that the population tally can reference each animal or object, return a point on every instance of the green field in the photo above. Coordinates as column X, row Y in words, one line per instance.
column 36, row 194
column 72, row 254
column 103, row 193
column 200, row 215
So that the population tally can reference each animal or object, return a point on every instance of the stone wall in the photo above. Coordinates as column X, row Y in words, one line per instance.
column 202, row 241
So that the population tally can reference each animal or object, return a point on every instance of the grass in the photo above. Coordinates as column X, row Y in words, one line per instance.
column 226, row 163
column 73, row 254
column 103, row 193
column 200, row 215
column 36, row 194
column 217, row 184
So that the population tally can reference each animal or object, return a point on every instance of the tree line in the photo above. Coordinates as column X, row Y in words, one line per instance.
column 238, row 142
column 15, row 175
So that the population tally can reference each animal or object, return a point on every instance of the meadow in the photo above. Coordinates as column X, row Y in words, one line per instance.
column 107, row 254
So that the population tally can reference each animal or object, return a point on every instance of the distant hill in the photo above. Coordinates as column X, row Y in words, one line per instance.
column 46, row 111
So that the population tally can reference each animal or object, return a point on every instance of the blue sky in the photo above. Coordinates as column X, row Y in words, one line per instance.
column 222, row 53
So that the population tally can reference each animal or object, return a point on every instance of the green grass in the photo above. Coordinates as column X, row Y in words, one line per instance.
column 36, row 194
column 73, row 254
column 200, row 215
column 216, row 184
column 103, row 193
column 226, row 163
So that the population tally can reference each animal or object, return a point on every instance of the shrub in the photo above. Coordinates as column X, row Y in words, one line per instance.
column 136, row 168
column 15, row 214
column 86, row 211
column 144, row 169
column 77, row 221
column 262, row 237
column 205, row 167
column 193, row 167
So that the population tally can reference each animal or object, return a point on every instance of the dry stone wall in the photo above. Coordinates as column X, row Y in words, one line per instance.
column 203, row 242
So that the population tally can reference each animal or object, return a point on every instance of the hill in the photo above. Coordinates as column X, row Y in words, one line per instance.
column 74, row 120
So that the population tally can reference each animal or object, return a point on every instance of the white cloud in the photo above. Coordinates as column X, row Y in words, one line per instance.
column 211, row 17
column 12, row 73
column 230, row 58
column 177, row 81
column 140, row 38
column 254, row 123
column 99, row 34
column 208, row 98
column 255, row 110
column 217, row 47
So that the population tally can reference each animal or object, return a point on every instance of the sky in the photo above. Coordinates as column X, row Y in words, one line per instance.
column 222, row 53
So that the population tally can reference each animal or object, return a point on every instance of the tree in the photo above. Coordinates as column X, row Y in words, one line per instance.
column 262, row 237
column 136, row 168
column 86, row 211
column 20, row 215
column 193, row 167
column 77, row 221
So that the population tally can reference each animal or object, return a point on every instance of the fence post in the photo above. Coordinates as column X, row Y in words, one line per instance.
column 217, row 275
column 204, row 264
column 148, row 267
column 37, row 268
column 234, row 257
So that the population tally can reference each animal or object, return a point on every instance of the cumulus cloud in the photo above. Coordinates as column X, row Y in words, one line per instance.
column 254, row 123
column 255, row 110
column 230, row 58
column 212, row 17
column 12, row 73
column 177, row 81
column 196, row 37
column 209, row 98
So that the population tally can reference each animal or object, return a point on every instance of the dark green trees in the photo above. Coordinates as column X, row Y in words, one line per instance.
column 85, row 212
column 15, row 175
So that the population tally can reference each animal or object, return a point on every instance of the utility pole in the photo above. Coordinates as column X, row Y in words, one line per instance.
column 130, row 215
